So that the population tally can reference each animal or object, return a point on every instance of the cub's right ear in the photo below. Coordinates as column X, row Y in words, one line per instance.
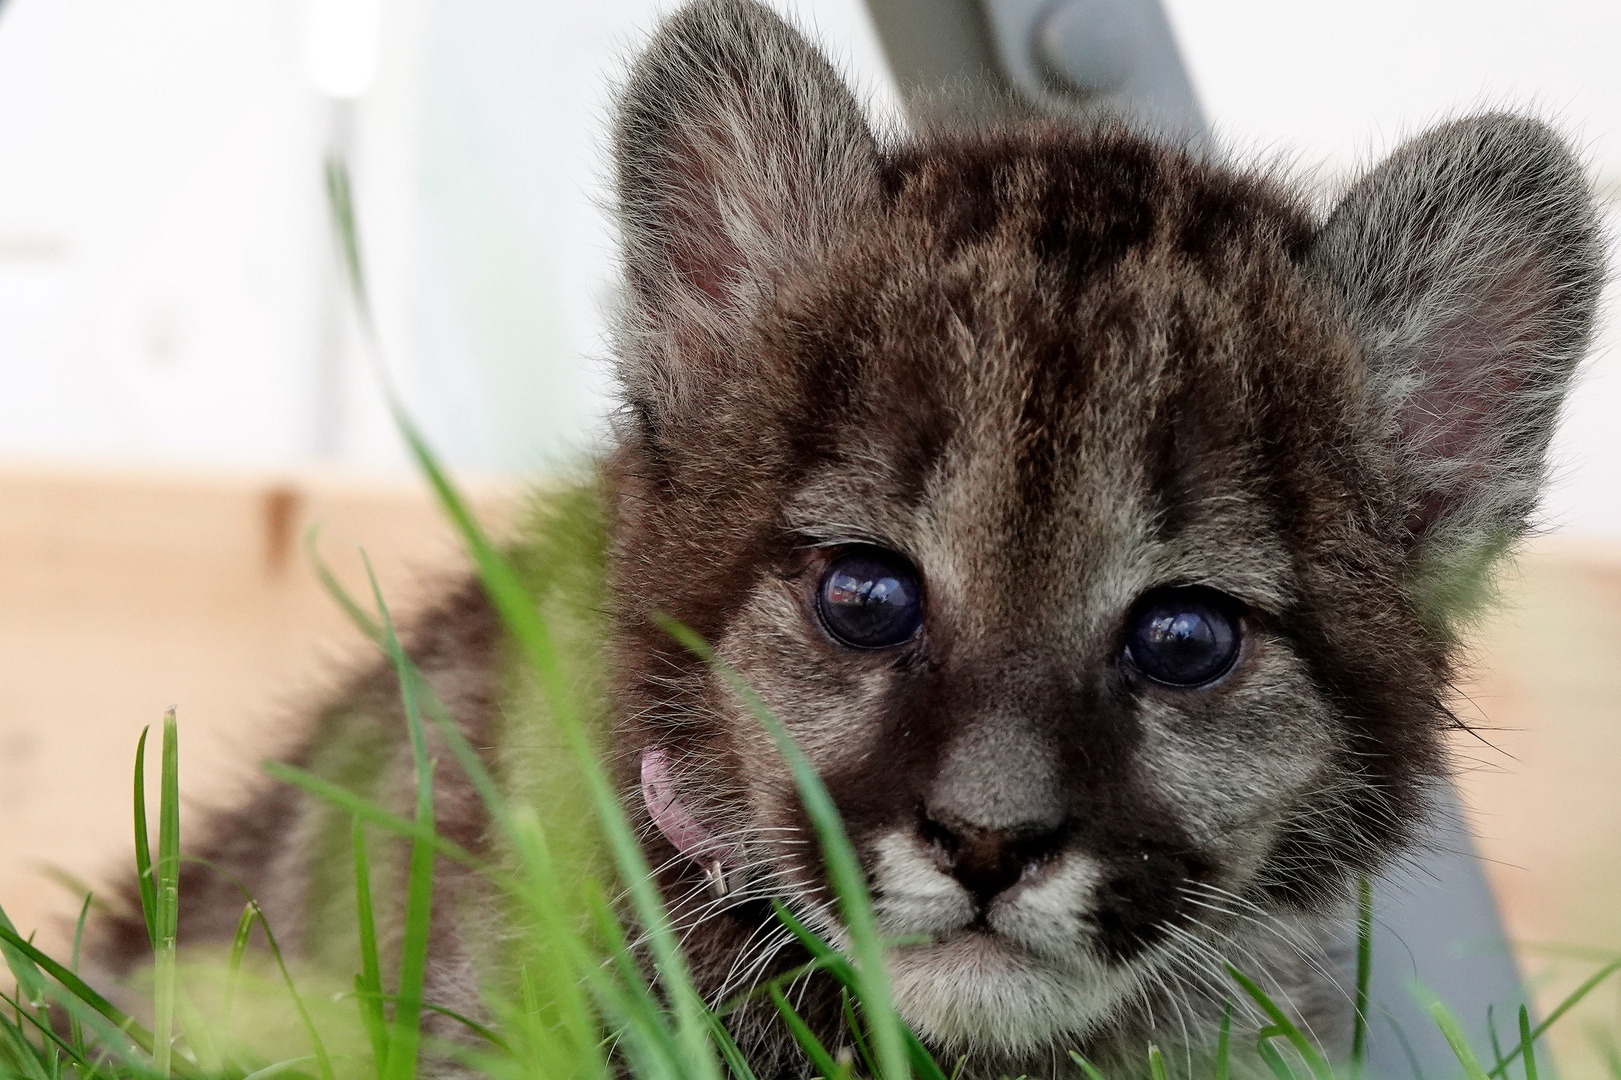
column 739, row 152
column 1472, row 261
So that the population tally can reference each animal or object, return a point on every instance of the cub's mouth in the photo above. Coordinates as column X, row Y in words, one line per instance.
column 1046, row 943
column 680, row 826
column 1009, row 944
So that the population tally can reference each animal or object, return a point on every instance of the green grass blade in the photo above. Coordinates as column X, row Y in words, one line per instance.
column 322, row 1059
column 108, row 1045
column 418, row 698
column 523, row 622
column 1498, row 1061
column 483, row 1031
column 566, row 996
column 1308, row 1053
column 335, row 590
column 1455, row 1038
column 543, row 897
column 573, row 1015
column 1364, row 968
column 340, row 200
column 825, row 957
column 820, row 1059
column 21, row 1054
column 369, row 983
column 405, row 1034
column 79, row 989
column 1156, row 1063
column 197, row 1036
column 30, row 1054
column 853, row 1022
column 641, row 1021
column 251, row 915
column 370, row 812
column 529, row 1026
column 75, row 1028
column 733, row 1004
column 1570, row 1002
column 730, row 1052
column 143, row 848
column 1274, row 1060
column 923, row 1063
column 529, row 634
column 1527, row 1051
column 280, row 1067
column 1224, row 1042
column 233, row 963
column 24, row 970
column 166, row 908
column 1087, row 1067
column 845, row 876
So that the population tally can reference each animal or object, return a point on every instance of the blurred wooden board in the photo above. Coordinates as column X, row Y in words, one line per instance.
column 121, row 595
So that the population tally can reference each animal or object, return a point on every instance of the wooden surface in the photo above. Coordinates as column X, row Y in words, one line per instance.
column 122, row 595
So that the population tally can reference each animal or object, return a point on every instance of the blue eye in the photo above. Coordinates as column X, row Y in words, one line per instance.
column 1186, row 636
column 870, row 598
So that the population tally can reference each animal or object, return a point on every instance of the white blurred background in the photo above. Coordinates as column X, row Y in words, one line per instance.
column 168, row 292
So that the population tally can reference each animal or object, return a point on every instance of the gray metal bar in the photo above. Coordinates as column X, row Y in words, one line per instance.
column 936, row 46
column 1437, row 931
column 1059, row 55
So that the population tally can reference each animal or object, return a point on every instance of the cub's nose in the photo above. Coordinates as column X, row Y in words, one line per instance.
column 988, row 861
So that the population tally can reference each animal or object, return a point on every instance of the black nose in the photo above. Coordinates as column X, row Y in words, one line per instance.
column 988, row 861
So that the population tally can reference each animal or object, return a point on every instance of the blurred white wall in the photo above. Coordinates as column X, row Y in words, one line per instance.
column 167, row 280
column 155, row 247
column 166, row 268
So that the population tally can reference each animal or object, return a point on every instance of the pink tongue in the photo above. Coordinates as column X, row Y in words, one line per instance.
column 674, row 820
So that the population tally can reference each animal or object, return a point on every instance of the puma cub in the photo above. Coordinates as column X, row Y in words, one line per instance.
column 1097, row 518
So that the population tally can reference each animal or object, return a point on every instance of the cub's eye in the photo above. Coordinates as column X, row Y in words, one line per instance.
column 1184, row 636
column 869, row 598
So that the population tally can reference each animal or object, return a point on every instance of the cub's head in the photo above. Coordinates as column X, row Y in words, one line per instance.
column 1094, row 517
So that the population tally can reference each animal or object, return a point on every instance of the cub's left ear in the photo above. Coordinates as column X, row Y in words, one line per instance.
column 739, row 152
column 1472, row 260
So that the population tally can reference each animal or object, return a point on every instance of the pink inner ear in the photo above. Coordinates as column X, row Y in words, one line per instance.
column 700, row 245
column 674, row 820
column 1478, row 371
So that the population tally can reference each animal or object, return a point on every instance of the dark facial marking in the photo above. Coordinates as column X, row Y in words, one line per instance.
column 1143, row 897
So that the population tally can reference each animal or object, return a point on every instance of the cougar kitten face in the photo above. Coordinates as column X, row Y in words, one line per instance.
column 1094, row 517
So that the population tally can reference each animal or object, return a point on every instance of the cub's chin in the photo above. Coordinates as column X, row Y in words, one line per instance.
column 975, row 990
